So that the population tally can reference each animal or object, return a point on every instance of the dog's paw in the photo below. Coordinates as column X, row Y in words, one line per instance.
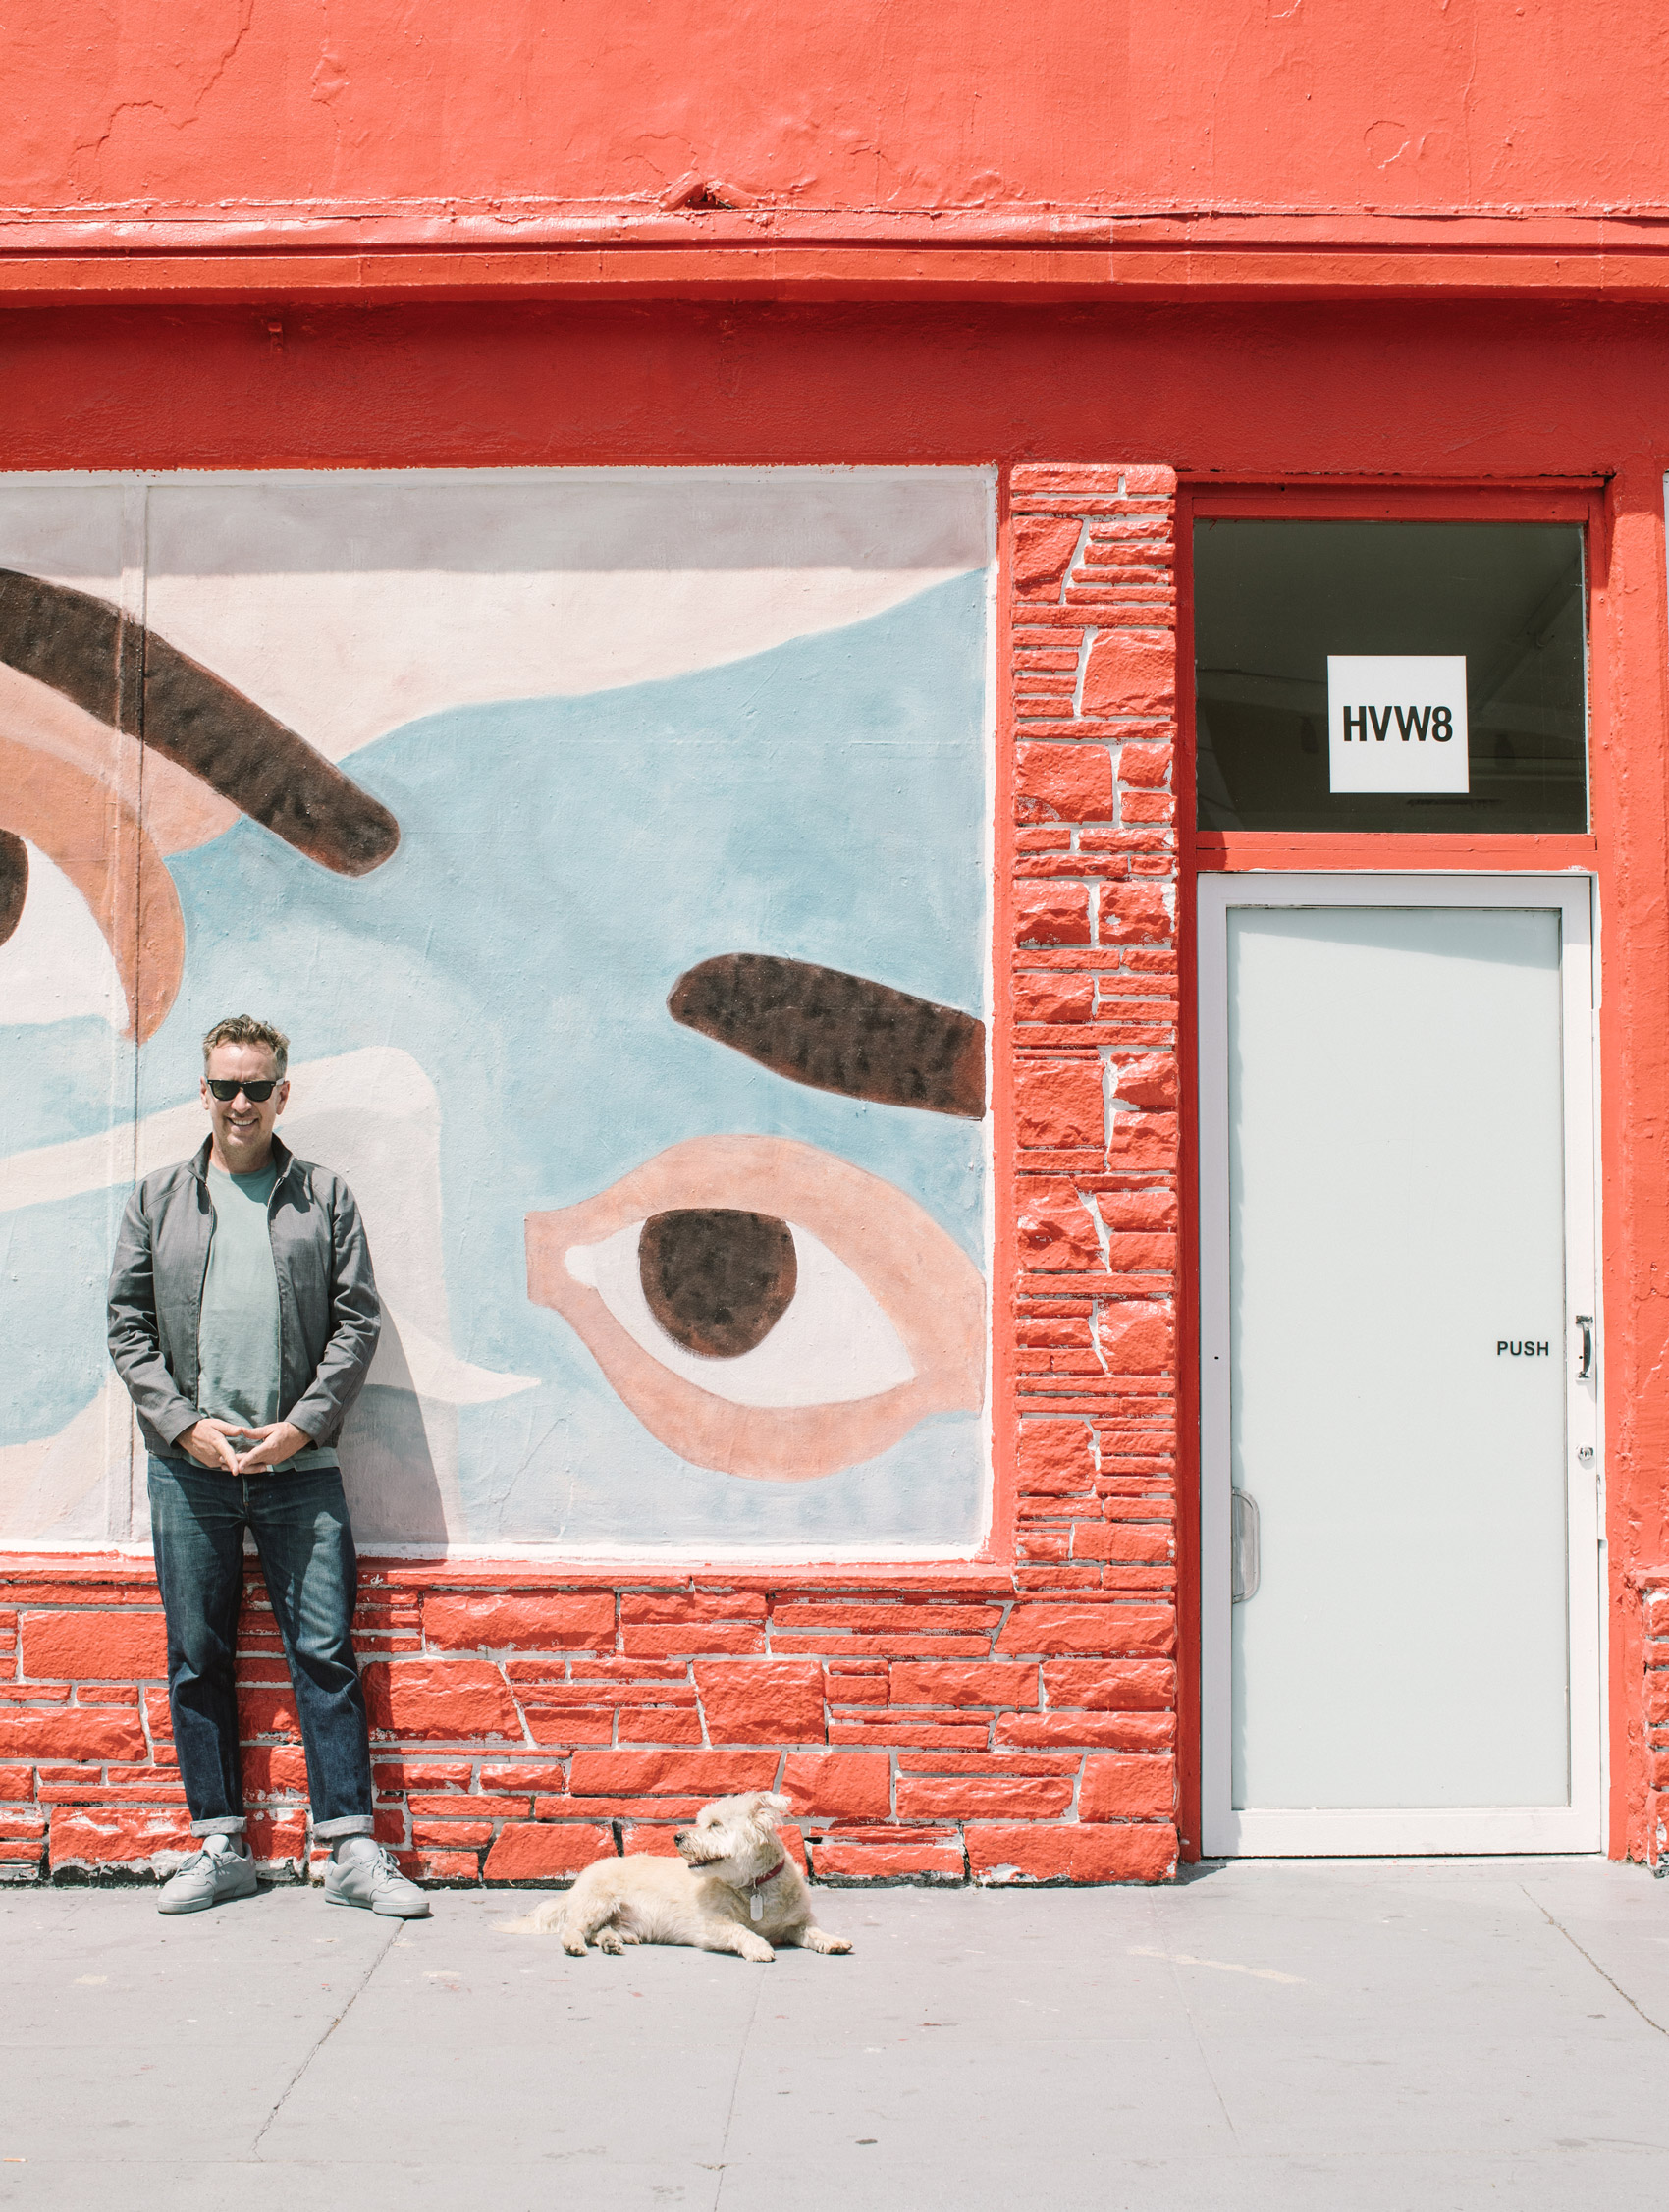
column 574, row 1946
column 835, row 1943
column 609, row 1941
column 761, row 1953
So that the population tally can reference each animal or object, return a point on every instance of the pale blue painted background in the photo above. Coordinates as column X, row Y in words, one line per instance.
column 561, row 862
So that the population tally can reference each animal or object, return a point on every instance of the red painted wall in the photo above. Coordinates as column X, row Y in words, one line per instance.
column 1295, row 127
column 1355, row 105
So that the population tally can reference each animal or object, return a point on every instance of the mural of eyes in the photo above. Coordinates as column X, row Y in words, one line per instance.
column 73, row 670
column 764, row 1308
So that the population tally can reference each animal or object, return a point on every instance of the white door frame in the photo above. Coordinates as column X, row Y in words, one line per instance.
column 1324, row 1832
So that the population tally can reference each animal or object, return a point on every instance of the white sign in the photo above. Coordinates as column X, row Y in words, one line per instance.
column 1396, row 722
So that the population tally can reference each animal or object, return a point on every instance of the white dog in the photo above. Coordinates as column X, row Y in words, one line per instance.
column 731, row 1888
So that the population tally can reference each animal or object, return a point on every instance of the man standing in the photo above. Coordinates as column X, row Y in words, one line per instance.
column 243, row 1317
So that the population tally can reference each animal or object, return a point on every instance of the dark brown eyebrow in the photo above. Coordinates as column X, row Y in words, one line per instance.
column 838, row 1031
column 130, row 677
column 14, row 882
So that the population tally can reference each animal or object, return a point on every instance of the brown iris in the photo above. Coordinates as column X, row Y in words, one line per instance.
column 717, row 1280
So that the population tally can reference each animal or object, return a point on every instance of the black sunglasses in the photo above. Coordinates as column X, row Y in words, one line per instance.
column 226, row 1090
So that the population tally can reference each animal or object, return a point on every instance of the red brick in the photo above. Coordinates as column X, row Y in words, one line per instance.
column 17, row 1784
column 1072, row 1853
column 1146, row 766
column 1147, row 1081
column 444, row 1866
column 1120, row 1788
column 1133, row 914
column 742, row 1638
column 1112, row 1685
column 1137, row 1336
column 1141, row 1254
column 1042, row 550
column 635, row 1671
column 655, row 1808
column 522, row 1623
column 1656, row 1703
column 1145, row 1540
column 445, row 1702
column 779, row 1702
column 461, row 1805
column 274, row 1770
column 1055, row 1228
column 73, row 1732
column 651, row 1838
column 1073, row 782
column 1106, row 1731
column 449, row 1835
column 123, row 1646
column 35, row 1694
column 1053, row 999
column 1059, row 1105
column 836, row 1861
column 842, row 1687
column 660, row 1724
column 990, row 1684
column 538, row 1851
column 560, row 1726
column 503, row 1776
column 1091, row 1631
column 395, row 1771
column 708, row 1774
column 998, row 1797
column 264, row 1710
column 116, row 1836
column 1138, row 1210
column 277, row 1839
column 1131, row 673
column 838, row 1785
column 107, row 1693
column 640, row 1608
column 1053, row 1452
column 1051, row 914
column 893, row 1728
column 1141, row 1143
column 1147, row 806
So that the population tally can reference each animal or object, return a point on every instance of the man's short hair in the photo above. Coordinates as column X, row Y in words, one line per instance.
column 245, row 1029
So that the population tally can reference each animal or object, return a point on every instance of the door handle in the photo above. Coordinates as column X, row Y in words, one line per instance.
column 1243, row 1545
column 1585, row 1321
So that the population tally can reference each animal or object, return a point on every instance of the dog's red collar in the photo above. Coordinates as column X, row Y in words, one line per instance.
column 759, row 1880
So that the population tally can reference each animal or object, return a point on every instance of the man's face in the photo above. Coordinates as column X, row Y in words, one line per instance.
column 240, row 1123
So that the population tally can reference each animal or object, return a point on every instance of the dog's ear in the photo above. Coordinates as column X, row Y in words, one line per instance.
column 774, row 1806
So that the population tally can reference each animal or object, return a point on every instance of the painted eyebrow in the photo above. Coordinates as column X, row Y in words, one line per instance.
column 130, row 677
column 837, row 1032
column 14, row 882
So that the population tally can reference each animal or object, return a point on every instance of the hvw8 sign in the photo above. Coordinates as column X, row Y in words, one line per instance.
column 1396, row 722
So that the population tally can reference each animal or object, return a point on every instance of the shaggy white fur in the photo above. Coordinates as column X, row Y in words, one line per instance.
column 731, row 1888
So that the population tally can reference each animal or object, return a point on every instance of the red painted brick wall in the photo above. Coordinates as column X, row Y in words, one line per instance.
column 1649, row 1590
column 1009, row 1721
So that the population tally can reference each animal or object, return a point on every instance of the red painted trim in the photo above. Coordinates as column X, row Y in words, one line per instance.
column 1000, row 1541
column 1190, row 1716
column 1217, row 851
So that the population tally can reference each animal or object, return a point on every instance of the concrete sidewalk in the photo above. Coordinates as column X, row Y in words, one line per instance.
column 1422, row 2036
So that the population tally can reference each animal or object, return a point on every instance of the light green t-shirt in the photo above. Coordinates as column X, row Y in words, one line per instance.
column 237, row 1331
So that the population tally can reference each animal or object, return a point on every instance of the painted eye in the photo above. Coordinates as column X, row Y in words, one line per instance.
column 765, row 1309
column 751, row 1308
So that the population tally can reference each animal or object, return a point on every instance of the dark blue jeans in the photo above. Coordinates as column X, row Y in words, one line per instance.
column 300, row 1524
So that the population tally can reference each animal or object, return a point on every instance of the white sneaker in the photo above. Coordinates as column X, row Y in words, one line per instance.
column 210, row 1876
column 370, row 1877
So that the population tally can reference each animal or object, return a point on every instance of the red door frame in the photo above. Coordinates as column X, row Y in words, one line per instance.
column 1583, row 501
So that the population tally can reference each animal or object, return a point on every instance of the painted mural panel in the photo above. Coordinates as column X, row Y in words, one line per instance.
column 611, row 846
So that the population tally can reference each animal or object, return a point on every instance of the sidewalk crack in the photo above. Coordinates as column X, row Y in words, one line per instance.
column 735, row 2090
column 353, row 1996
column 1594, row 1963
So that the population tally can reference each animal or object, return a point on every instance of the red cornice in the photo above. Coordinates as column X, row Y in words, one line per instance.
column 276, row 257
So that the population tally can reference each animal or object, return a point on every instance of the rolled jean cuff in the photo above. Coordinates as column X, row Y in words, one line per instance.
column 233, row 1824
column 351, row 1824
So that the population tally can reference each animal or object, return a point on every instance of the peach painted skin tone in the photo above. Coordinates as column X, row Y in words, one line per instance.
column 926, row 1286
column 242, row 1144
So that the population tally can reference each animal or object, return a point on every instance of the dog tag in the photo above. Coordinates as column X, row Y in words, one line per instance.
column 755, row 1909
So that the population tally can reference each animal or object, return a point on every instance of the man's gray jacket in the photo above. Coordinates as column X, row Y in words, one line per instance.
column 328, row 1311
